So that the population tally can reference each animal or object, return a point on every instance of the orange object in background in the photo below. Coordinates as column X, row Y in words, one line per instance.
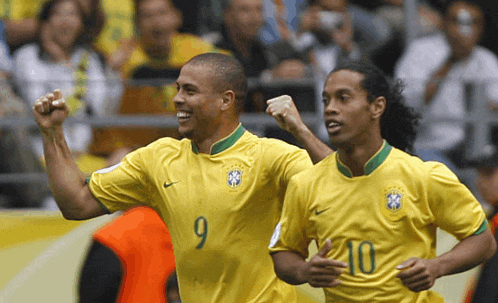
column 142, row 242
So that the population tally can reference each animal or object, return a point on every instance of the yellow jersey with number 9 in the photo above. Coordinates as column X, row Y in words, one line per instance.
column 376, row 221
column 220, row 209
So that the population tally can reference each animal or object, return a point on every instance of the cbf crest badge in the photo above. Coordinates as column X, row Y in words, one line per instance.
column 393, row 206
column 394, row 200
column 234, row 177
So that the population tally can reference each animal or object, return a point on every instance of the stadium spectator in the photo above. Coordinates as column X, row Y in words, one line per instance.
column 161, row 50
column 92, row 88
column 238, row 36
column 19, row 19
column 327, row 27
column 393, row 13
column 208, row 188
column 368, row 31
column 130, row 260
column 376, row 230
column 15, row 148
column 152, row 67
column 242, row 22
column 486, row 289
column 436, row 69
column 282, row 21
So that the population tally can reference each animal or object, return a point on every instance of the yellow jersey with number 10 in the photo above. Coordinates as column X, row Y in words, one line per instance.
column 220, row 209
column 376, row 221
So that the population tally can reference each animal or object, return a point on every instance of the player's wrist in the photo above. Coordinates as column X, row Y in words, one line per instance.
column 435, row 267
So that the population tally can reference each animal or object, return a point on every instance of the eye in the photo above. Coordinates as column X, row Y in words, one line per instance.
column 325, row 101
column 344, row 97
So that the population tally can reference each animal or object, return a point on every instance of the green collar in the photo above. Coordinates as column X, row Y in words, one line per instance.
column 371, row 165
column 225, row 143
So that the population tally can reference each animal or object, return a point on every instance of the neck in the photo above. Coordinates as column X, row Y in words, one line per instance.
column 242, row 43
column 58, row 53
column 204, row 145
column 159, row 52
column 355, row 156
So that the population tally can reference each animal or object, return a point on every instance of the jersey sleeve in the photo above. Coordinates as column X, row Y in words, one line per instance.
column 123, row 185
column 455, row 208
column 291, row 232
column 287, row 160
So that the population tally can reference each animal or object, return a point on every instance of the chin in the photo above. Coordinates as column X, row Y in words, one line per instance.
column 186, row 133
column 338, row 141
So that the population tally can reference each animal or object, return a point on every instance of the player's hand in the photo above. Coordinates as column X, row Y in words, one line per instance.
column 284, row 111
column 50, row 111
column 417, row 274
column 321, row 271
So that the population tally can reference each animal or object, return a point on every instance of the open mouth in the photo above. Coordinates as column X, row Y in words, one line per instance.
column 334, row 127
column 183, row 116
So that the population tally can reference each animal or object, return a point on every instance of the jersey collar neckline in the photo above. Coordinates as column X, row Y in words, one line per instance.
column 374, row 162
column 224, row 143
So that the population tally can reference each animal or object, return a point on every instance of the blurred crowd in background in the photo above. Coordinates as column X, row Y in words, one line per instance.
column 122, row 57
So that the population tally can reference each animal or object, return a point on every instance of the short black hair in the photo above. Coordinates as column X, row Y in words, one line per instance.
column 399, row 122
column 228, row 74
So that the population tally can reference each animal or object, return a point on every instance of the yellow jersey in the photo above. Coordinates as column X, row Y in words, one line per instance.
column 20, row 9
column 376, row 221
column 118, row 26
column 220, row 209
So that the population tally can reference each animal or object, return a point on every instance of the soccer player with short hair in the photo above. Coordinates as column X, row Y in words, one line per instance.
column 219, row 191
column 372, row 208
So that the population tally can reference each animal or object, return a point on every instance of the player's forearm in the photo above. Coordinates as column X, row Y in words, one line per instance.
column 289, row 267
column 65, row 179
column 467, row 254
column 313, row 145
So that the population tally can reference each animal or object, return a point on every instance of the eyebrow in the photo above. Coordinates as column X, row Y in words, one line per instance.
column 185, row 85
column 337, row 92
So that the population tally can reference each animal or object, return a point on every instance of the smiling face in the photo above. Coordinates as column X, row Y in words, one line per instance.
column 199, row 106
column 66, row 23
column 349, row 116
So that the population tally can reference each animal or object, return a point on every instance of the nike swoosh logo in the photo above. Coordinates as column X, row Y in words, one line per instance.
column 321, row 211
column 166, row 185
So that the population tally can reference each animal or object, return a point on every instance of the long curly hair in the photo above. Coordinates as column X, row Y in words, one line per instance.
column 399, row 122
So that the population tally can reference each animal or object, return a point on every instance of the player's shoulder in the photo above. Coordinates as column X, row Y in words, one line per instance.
column 416, row 166
column 165, row 145
column 485, row 53
column 273, row 144
column 431, row 42
column 31, row 50
column 321, row 168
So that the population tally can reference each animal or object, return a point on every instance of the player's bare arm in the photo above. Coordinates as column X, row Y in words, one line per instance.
column 284, row 111
column 319, row 271
column 67, row 182
column 420, row 274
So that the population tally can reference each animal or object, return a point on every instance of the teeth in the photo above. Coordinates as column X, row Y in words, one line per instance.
column 182, row 115
column 332, row 124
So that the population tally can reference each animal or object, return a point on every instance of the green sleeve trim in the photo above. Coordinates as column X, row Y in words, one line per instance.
column 483, row 227
column 101, row 204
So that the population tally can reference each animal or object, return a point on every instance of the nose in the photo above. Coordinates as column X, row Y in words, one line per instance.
column 330, row 108
column 177, row 99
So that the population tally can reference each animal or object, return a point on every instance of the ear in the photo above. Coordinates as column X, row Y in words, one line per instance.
column 377, row 107
column 227, row 100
